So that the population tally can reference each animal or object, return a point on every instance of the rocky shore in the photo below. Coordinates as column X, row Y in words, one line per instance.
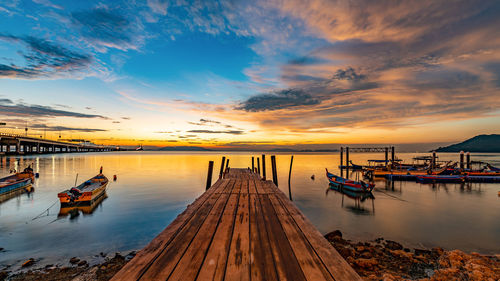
column 80, row 270
column 373, row 260
column 389, row 260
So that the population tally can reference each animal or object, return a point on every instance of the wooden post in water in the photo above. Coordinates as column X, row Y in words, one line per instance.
column 393, row 156
column 347, row 162
column 209, row 176
column 275, row 173
column 289, row 177
column 253, row 165
column 433, row 165
column 222, row 167
column 263, row 167
column 468, row 161
column 461, row 160
column 386, row 156
column 341, row 161
column 258, row 165
column 227, row 165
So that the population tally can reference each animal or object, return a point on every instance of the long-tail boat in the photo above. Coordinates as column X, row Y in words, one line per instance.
column 355, row 186
column 441, row 178
column 86, row 193
column 17, row 181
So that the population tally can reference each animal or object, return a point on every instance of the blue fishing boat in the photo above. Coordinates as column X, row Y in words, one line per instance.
column 441, row 178
column 355, row 186
column 16, row 182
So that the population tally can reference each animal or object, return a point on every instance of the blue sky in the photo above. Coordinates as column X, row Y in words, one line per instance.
column 262, row 72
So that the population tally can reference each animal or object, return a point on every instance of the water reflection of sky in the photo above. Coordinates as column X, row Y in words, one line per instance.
column 152, row 188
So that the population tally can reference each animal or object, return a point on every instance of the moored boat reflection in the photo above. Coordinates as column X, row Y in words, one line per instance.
column 357, row 197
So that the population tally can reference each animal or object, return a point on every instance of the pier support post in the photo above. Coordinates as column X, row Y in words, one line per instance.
column 289, row 179
column 227, row 165
column 209, row 176
column 341, row 161
column 433, row 165
column 275, row 172
column 222, row 167
column 258, row 165
column 263, row 167
column 393, row 156
column 468, row 160
column 386, row 156
column 253, row 165
column 18, row 147
column 461, row 160
column 347, row 162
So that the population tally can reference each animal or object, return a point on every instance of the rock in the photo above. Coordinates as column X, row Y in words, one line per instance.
column 393, row 245
column 82, row 263
column 366, row 263
column 74, row 260
column 437, row 251
column 330, row 236
column 422, row 252
column 366, row 255
column 102, row 254
column 29, row 262
column 1, row 249
column 49, row 265
column 3, row 275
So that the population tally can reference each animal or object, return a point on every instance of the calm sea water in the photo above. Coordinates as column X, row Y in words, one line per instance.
column 153, row 187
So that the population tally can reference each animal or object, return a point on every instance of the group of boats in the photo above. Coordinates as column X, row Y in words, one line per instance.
column 427, row 172
column 86, row 195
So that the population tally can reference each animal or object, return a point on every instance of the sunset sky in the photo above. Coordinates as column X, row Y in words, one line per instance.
column 250, row 73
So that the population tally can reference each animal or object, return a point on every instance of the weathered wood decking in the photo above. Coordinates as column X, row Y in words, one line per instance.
column 242, row 228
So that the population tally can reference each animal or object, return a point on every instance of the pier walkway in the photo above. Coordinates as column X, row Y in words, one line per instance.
column 242, row 228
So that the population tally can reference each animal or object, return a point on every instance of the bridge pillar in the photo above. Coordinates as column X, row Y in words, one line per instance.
column 18, row 146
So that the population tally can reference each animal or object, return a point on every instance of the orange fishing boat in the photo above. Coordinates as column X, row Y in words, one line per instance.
column 86, row 193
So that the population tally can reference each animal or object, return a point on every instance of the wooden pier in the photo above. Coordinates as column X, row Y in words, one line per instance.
column 241, row 228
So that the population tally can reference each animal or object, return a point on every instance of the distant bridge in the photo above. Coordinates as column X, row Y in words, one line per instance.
column 18, row 144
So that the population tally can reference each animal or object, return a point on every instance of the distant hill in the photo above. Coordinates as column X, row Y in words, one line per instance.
column 183, row 148
column 481, row 143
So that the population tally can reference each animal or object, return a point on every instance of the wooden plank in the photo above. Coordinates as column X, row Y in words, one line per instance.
column 334, row 262
column 310, row 263
column 251, row 186
column 259, row 186
column 238, row 263
column 214, row 264
column 133, row 269
column 164, row 264
column 193, row 257
column 262, row 265
column 286, row 263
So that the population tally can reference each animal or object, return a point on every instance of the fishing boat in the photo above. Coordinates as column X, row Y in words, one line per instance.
column 355, row 186
column 17, row 182
column 441, row 178
column 86, row 193
column 351, row 166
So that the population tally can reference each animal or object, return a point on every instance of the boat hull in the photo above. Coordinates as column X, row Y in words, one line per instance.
column 442, row 179
column 89, row 192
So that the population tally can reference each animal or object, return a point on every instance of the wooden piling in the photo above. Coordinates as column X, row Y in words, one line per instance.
column 341, row 161
column 433, row 165
column 347, row 162
column 461, row 160
column 258, row 165
column 222, row 167
column 209, row 176
column 227, row 165
column 393, row 156
column 386, row 156
column 275, row 173
column 263, row 167
column 289, row 179
column 468, row 161
column 253, row 165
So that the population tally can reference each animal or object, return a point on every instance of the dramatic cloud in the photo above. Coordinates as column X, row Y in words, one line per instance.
column 232, row 132
column 64, row 128
column 106, row 28
column 278, row 100
column 39, row 111
column 44, row 59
